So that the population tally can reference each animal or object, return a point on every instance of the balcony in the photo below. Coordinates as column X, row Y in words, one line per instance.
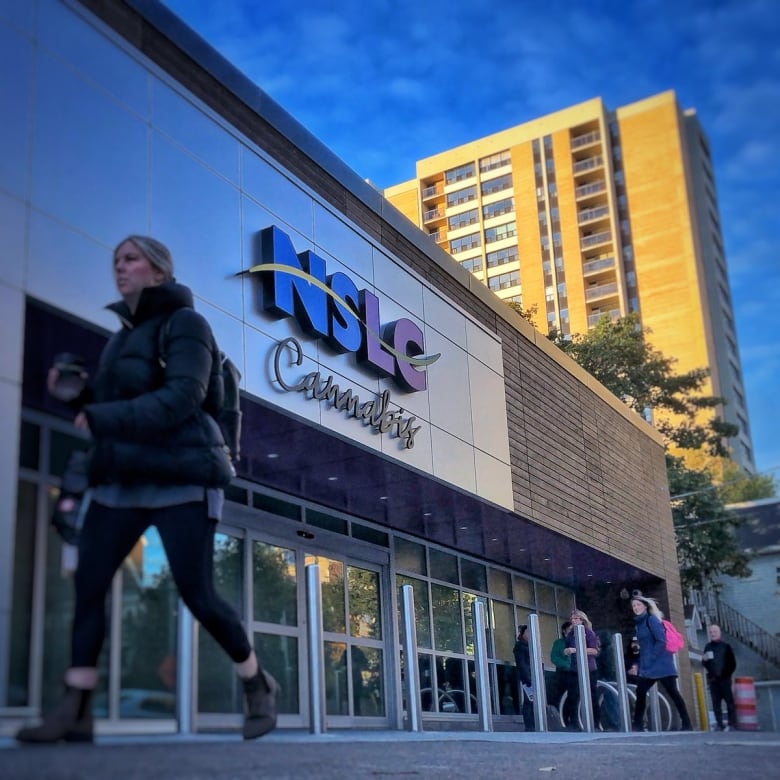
column 595, row 266
column 585, row 140
column 586, row 190
column 432, row 214
column 593, row 319
column 433, row 191
column 597, row 238
column 588, row 215
column 600, row 291
column 589, row 164
column 438, row 235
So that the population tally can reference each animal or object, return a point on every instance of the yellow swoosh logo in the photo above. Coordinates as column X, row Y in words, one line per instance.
column 425, row 360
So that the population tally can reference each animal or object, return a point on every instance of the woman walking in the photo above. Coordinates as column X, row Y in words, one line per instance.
column 159, row 459
column 656, row 663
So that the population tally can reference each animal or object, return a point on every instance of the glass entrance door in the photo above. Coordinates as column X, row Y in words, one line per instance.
column 265, row 577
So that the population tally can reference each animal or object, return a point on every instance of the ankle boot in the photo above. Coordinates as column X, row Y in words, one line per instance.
column 261, row 694
column 70, row 721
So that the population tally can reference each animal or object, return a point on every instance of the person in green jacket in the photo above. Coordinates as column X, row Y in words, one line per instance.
column 562, row 663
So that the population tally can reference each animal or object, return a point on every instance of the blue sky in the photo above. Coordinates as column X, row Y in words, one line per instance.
column 383, row 84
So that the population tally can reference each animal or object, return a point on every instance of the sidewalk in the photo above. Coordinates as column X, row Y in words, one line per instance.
column 348, row 755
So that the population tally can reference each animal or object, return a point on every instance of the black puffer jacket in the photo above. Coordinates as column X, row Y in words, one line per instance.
column 148, row 422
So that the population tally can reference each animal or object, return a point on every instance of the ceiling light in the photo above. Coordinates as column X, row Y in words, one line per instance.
column 332, row 479
column 272, row 455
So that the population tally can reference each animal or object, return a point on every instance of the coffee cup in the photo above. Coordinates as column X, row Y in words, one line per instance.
column 71, row 375
column 709, row 655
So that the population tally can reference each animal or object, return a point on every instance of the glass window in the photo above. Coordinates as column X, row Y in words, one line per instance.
column 422, row 611
column 505, row 206
column 462, row 196
column 368, row 694
column 501, row 256
column 500, row 232
column 274, row 581
column 276, row 506
column 337, row 525
column 333, row 597
column 29, row 449
column 473, row 264
column 545, row 597
column 524, row 590
column 336, row 684
column 496, row 185
column 461, row 172
column 364, row 608
column 465, row 243
column 409, row 556
column 495, row 161
column 447, row 620
column 473, row 575
column 444, row 566
column 565, row 599
column 503, row 629
column 502, row 281
column 463, row 219
column 500, row 583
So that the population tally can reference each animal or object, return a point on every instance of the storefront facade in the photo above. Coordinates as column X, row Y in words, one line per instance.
column 401, row 426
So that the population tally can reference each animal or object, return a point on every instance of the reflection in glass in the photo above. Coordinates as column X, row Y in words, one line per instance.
column 447, row 622
column 503, row 630
column 219, row 689
column 409, row 556
column 279, row 655
column 274, row 584
column 473, row 575
column 149, row 638
column 422, row 612
column 443, row 566
column 336, row 685
column 545, row 597
column 508, row 697
column 500, row 583
column 524, row 590
column 334, row 615
column 368, row 696
column 364, row 608
column 427, row 683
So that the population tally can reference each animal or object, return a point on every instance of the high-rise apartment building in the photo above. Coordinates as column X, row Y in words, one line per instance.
column 589, row 212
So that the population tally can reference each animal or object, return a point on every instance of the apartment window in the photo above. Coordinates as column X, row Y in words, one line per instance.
column 461, row 220
column 553, row 189
column 496, row 185
column 559, row 262
column 473, row 264
column 464, row 243
column 505, row 206
column 460, row 173
column 631, row 278
column 542, row 217
column 556, row 239
column 562, row 290
column 462, row 196
column 494, row 161
column 500, row 232
column 550, row 164
column 501, row 256
column 549, row 294
column 540, row 193
column 502, row 281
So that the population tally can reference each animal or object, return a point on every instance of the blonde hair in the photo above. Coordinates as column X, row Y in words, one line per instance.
column 652, row 607
column 582, row 616
column 156, row 252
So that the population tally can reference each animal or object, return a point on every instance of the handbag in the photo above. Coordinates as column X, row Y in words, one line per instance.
column 73, row 500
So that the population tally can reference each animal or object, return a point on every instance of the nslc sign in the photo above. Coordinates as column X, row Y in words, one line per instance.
column 330, row 307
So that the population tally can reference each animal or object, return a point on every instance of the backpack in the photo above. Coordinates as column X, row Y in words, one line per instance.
column 674, row 639
column 227, row 414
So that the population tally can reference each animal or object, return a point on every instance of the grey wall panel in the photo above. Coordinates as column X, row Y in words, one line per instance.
column 15, row 106
column 197, row 214
column 12, row 251
column 277, row 193
column 89, row 163
column 191, row 128
column 98, row 59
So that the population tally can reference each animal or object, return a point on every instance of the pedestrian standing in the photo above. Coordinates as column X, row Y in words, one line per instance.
column 720, row 663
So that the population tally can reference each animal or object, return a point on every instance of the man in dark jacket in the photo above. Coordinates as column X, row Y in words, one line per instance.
column 720, row 664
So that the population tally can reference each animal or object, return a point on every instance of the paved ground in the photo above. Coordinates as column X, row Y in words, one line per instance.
column 389, row 755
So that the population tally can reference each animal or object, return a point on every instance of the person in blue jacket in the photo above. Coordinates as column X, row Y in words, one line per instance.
column 656, row 663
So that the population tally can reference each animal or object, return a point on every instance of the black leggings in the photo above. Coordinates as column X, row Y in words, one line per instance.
column 644, row 684
column 187, row 534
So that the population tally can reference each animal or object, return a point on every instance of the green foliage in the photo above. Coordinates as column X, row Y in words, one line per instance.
column 738, row 486
column 620, row 357
column 529, row 314
column 704, row 528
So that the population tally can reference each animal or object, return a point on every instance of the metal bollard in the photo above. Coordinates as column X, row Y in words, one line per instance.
column 314, row 642
column 622, row 684
column 537, row 674
column 654, row 708
column 584, row 677
column 185, row 682
column 412, row 675
column 481, row 668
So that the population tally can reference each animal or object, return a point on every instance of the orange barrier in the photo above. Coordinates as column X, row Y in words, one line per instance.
column 745, row 700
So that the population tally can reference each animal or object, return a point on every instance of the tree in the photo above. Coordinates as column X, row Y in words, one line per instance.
column 529, row 314
column 704, row 528
column 620, row 357
column 737, row 486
